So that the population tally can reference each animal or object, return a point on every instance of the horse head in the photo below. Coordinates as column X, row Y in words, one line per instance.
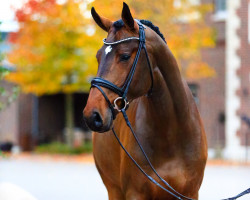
column 115, row 61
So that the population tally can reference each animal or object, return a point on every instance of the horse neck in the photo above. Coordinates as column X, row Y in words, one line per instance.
column 176, row 103
column 171, row 101
column 169, row 117
column 176, row 88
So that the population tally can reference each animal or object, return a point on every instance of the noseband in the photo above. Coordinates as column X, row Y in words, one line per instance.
column 99, row 82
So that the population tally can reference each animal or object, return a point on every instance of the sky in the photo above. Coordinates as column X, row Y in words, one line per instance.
column 7, row 16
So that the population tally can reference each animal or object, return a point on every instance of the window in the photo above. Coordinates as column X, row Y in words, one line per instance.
column 220, row 5
column 194, row 90
column 220, row 10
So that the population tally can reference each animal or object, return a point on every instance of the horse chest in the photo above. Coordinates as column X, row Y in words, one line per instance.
column 135, row 183
column 117, row 170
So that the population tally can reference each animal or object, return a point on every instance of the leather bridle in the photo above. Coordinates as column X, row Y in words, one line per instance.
column 99, row 82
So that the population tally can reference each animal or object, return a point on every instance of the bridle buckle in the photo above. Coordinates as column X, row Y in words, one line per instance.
column 120, row 104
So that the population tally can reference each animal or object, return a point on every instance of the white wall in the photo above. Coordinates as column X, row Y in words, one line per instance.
column 233, row 150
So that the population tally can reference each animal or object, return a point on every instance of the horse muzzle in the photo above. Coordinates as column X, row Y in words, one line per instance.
column 96, row 122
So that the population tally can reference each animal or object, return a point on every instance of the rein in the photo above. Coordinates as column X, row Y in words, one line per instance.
column 99, row 82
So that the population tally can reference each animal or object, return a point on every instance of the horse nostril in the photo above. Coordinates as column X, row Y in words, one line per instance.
column 97, row 120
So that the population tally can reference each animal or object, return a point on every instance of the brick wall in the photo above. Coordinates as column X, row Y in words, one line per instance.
column 212, row 90
column 212, row 97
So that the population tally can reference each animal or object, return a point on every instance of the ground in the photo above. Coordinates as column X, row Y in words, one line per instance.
column 63, row 178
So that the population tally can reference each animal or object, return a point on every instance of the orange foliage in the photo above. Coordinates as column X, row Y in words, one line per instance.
column 199, row 69
column 54, row 50
column 181, row 22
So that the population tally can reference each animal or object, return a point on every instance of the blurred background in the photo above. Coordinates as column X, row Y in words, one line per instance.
column 47, row 60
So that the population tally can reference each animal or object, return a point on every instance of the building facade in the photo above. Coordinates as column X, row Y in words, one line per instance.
column 225, row 98
column 237, row 80
column 211, row 91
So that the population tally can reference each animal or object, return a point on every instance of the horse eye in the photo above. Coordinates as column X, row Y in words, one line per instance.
column 124, row 57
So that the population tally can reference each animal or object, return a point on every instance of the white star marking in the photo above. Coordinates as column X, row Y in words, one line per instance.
column 108, row 49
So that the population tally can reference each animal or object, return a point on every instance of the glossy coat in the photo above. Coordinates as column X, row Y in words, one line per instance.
column 167, row 122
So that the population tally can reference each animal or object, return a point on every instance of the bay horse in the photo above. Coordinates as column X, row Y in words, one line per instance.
column 162, row 113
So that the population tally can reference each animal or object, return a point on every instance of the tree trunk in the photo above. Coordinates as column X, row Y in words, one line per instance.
column 69, row 118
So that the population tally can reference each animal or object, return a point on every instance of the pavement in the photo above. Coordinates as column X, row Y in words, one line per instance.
column 9, row 191
column 76, row 178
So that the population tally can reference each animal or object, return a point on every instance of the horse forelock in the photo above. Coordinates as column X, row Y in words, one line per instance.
column 118, row 24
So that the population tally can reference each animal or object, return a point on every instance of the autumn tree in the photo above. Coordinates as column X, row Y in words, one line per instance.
column 181, row 21
column 53, row 51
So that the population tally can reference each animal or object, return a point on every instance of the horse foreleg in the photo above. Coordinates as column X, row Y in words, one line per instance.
column 136, row 196
column 115, row 193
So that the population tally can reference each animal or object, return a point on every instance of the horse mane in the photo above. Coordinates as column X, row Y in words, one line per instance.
column 153, row 27
column 119, row 24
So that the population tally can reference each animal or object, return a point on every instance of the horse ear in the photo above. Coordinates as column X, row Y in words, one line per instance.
column 103, row 22
column 127, row 17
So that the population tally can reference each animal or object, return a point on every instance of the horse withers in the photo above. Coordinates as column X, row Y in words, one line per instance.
column 161, row 111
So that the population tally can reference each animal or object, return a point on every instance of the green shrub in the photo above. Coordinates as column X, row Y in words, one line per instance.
column 60, row 148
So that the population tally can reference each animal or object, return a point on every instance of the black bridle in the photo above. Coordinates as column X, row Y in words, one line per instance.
column 99, row 82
